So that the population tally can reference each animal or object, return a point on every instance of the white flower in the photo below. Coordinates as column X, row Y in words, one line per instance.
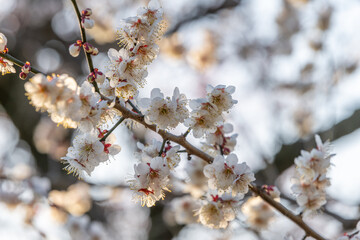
column 311, row 179
column 258, row 213
column 171, row 156
column 150, row 151
column 184, row 208
column 3, row 42
column 180, row 100
column 221, row 97
column 88, row 97
column 124, row 67
column 152, row 13
column 45, row 92
column 228, row 175
column 74, row 49
column 110, row 147
column 93, row 118
column 146, row 53
column 219, row 211
column 164, row 112
column 150, row 181
column 6, row 66
column 204, row 118
column 86, row 153
column 106, row 89
column 219, row 142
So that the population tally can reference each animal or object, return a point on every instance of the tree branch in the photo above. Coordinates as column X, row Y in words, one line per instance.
column 202, row 12
column 19, row 63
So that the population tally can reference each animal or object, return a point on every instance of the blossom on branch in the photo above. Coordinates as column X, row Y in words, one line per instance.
column 150, row 181
column 311, row 180
column 227, row 175
column 165, row 112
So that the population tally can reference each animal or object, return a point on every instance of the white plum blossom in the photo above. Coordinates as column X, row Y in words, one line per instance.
column 221, row 97
column 106, row 89
column 124, row 68
column 184, row 209
column 227, row 175
column 149, row 151
column 164, row 112
column 45, row 93
column 87, row 152
column 219, row 142
column 311, row 179
column 6, row 66
column 219, row 211
column 171, row 156
column 3, row 42
column 258, row 213
column 150, row 181
column 204, row 118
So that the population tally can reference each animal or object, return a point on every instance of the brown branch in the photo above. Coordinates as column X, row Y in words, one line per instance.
column 18, row 63
column 287, row 213
column 192, row 150
column 202, row 12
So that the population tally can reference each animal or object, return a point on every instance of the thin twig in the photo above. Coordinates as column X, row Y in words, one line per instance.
column 162, row 147
column 112, row 129
column 83, row 39
column 135, row 108
column 19, row 63
column 187, row 132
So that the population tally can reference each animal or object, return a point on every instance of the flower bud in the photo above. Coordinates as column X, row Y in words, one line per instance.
column 88, row 47
column 23, row 75
column 88, row 23
column 26, row 68
column 74, row 49
column 100, row 77
column 3, row 42
column 87, row 12
column 95, row 51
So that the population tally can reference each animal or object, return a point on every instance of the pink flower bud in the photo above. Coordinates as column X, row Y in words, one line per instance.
column 87, row 12
column 88, row 47
column 100, row 77
column 95, row 51
column 23, row 75
column 26, row 68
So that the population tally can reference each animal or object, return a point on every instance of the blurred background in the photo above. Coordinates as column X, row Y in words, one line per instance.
column 294, row 64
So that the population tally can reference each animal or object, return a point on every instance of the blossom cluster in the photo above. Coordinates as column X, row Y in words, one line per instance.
column 76, row 107
column 151, row 176
column 165, row 112
column 219, row 210
column 311, row 180
column 137, row 38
